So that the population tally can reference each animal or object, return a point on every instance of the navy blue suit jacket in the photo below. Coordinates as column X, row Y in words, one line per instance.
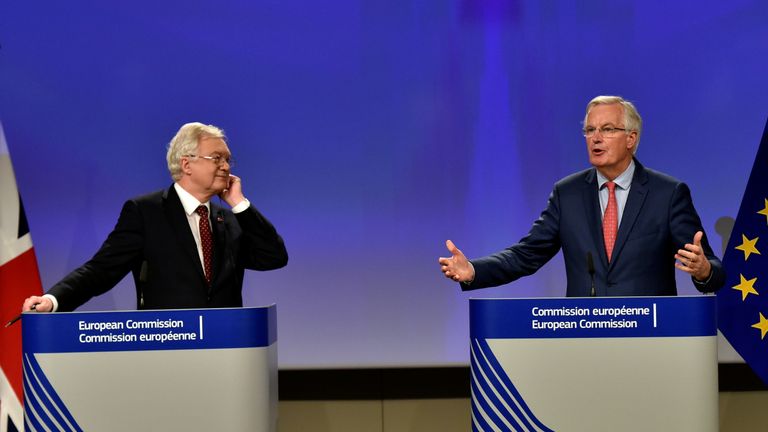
column 658, row 219
column 152, row 240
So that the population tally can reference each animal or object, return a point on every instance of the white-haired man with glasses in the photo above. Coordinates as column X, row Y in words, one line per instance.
column 623, row 228
column 184, row 250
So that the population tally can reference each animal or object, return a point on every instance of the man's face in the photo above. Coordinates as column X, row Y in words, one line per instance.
column 206, row 176
column 610, row 155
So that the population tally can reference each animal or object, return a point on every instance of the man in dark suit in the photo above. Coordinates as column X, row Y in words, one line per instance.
column 623, row 228
column 183, row 250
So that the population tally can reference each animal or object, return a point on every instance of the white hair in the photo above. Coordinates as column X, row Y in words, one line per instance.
column 186, row 142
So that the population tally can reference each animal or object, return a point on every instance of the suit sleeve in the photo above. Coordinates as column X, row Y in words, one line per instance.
column 684, row 222
column 527, row 256
column 116, row 257
column 261, row 247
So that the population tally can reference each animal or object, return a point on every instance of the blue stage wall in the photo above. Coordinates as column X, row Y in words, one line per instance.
column 370, row 132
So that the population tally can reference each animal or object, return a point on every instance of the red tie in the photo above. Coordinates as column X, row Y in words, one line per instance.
column 610, row 220
column 206, row 241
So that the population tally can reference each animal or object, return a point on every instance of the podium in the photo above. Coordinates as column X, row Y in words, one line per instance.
column 159, row 370
column 594, row 364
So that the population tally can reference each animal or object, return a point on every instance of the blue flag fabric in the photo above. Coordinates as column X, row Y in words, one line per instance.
column 742, row 304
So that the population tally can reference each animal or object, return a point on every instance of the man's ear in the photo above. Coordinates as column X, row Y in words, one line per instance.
column 185, row 168
column 632, row 141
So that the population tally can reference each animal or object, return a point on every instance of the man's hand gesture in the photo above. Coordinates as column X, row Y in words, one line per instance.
column 456, row 267
column 691, row 259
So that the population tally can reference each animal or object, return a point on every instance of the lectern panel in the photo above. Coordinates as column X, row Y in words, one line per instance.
column 191, row 370
column 594, row 364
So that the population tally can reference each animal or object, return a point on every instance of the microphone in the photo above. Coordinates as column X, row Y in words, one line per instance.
column 142, row 280
column 143, row 272
column 591, row 270
column 18, row 317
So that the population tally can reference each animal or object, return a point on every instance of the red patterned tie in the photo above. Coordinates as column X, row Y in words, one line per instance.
column 610, row 220
column 206, row 241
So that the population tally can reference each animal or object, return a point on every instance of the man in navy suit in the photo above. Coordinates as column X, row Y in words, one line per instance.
column 623, row 228
column 183, row 250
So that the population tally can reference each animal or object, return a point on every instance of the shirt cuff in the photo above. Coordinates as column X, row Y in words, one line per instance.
column 241, row 206
column 53, row 300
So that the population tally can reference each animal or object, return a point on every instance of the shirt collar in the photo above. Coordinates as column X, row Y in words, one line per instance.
column 624, row 180
column 189, row 202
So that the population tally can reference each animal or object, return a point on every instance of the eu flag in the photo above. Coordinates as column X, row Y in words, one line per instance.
column 742, row 304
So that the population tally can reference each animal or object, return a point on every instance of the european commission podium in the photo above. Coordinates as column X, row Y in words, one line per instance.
column 163, row 370
column 594, row 364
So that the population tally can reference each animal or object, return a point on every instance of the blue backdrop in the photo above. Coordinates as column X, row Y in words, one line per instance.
column 370, row 132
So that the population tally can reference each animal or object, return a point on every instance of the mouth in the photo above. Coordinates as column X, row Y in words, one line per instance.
column 597, row 151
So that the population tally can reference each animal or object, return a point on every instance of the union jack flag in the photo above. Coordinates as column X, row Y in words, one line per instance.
column 19, row 278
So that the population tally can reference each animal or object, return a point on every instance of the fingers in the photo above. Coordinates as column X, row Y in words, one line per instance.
column 40, row 304
column 233, row 194
column 29, row 302
column 456, row 267
column 681, row 266
column 452, row 248
column 450, row 274
column 447, row 266
column 691, row 259
column 687, row 259
column 687, row 266
column 697, row 238
column 692, row 251
column 699, row 270
column 685, row 255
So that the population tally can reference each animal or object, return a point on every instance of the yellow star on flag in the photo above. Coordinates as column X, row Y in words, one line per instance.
column 764, row 211
column 762, row 325
column 746, row 287
column 748, row 246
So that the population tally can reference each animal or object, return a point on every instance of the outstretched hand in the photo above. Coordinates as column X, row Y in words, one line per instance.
column 456, row 267
column 691, row 259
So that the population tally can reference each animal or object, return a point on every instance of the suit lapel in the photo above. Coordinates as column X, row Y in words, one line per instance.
column 593, row 214
column 177, row 219
column 635, row 200
column 219, row 241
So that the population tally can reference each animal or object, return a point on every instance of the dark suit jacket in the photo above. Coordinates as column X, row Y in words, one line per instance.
column 658, row 219
column 152, row 239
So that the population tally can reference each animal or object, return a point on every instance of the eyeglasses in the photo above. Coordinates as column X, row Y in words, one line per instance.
column 605, row 131
column 217, row 159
